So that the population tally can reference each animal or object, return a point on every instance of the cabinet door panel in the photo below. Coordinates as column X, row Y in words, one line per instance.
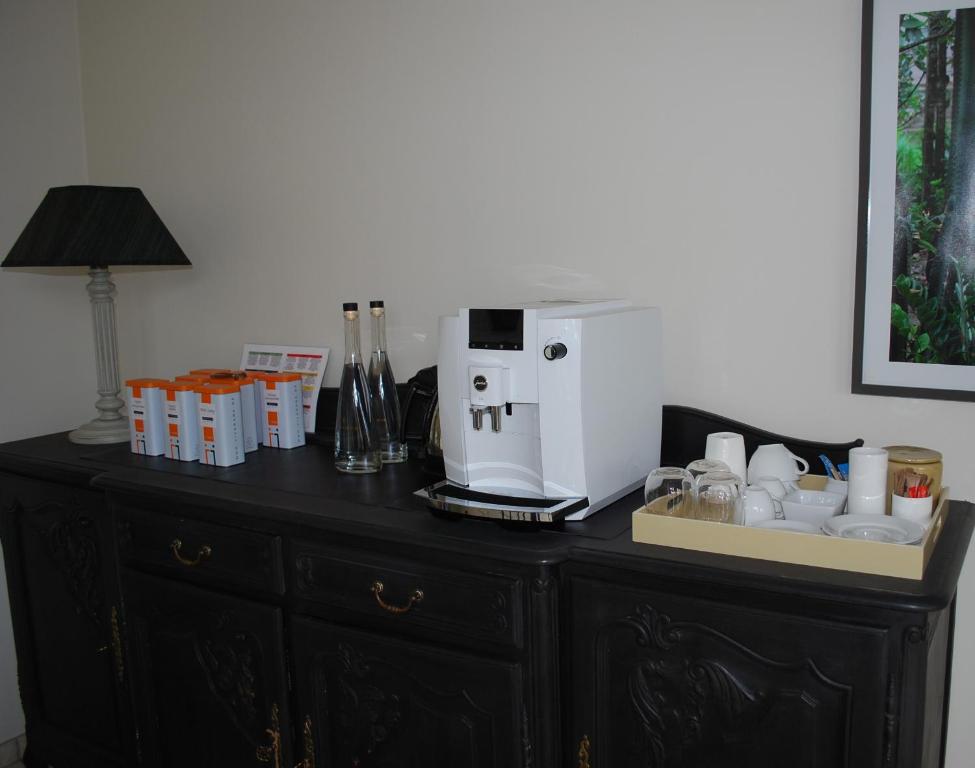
column 659, row 680
column 61, row 570
column 375, row 702
column 208, row 676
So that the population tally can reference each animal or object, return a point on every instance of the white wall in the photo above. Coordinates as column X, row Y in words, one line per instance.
column 44, row 319
column 699, row 156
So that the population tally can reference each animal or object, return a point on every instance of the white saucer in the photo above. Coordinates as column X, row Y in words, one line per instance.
column 889, row 530
column 793, row 526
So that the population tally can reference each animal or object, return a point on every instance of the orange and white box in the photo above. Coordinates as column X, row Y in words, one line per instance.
column 221, row 424
column 147, row 416
column 248, row 404
column 260, row 401
column 284, row 422
column 259, row 409
column 182, row 421
column 195, row 378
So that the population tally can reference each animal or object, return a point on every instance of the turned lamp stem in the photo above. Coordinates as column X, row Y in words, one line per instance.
column 110, row 426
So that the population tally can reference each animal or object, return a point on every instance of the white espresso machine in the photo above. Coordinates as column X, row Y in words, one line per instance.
column 547, row 411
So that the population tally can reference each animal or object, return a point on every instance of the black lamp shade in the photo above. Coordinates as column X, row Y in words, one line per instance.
column 88, row 226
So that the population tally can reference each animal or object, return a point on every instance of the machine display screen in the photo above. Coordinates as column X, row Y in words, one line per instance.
column 496, row 329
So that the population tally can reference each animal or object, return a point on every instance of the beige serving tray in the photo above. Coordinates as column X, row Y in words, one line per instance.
column 901, row 560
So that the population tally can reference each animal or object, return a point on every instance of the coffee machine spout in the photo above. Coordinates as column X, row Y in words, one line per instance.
column 478, row 415
column 495, row 418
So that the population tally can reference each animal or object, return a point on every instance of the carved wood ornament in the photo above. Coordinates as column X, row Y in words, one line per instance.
column 685, row 701
column 229, row 655
column 71, row 541
column 369, row 716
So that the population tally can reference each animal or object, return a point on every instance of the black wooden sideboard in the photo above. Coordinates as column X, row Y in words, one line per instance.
column 279, row 614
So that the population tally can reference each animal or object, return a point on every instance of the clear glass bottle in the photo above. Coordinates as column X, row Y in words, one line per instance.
column 382, row 387
column 356, row 446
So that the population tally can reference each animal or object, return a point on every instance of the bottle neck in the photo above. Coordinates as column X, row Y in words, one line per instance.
column 378, row 330
column 352, row 352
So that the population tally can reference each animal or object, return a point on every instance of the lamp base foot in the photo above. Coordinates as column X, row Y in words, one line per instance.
column 101, row 432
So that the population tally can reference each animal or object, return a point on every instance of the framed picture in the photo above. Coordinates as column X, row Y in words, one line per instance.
column 914, row 326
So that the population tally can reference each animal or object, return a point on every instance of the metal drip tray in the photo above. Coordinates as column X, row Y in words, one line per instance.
column 447, row 497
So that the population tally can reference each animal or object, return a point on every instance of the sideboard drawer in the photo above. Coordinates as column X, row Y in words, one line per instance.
column 482, row 605
column 200, row 552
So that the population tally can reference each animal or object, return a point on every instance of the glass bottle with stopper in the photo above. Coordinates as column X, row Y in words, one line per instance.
column 382, row 387
column 356, row 442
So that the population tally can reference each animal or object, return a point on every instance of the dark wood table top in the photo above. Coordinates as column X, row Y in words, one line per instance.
column 301, row 487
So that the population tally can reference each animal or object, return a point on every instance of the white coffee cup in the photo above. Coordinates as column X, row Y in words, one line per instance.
column 867, row 482
column 757, row 505
column 775, row 460
column 728, row 447
column 777, row 490
column 773, row 485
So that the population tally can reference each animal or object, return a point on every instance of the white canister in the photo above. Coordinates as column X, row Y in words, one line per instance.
column 260, row 402
column 147, row 416
column 195, row 379
column 248, row 414
column 253, row 436
column 221, row 424
column 284, row 425
column 867, row 482
column 182, row 421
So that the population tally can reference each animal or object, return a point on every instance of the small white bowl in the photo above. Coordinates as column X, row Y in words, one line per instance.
column 836, row 486
column 812, row 507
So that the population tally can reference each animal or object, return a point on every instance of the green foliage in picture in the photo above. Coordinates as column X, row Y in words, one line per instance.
column 935, row 329
column 932, row 290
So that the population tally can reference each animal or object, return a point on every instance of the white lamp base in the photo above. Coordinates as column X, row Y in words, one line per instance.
column 98, row 432
column 110, row 426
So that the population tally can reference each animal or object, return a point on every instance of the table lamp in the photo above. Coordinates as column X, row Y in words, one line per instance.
column 97, row 227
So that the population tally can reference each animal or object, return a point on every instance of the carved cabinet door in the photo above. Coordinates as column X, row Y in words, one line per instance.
column 660, row 680
column 208, row 673
column 368, row 701
column 61, row 581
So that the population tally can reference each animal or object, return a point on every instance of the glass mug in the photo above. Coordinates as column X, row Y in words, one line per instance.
column 700, row 467
column 719, row 496
column 670, row 491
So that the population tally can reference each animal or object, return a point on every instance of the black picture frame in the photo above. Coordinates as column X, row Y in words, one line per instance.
column 915, row 380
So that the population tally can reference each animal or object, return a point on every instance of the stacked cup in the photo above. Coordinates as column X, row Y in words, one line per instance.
column 867, row 486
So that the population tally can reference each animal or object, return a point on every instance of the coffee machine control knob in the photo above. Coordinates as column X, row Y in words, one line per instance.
column 554, row 351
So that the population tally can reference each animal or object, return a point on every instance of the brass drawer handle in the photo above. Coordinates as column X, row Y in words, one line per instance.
column 202, row 554
column 377, row 590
